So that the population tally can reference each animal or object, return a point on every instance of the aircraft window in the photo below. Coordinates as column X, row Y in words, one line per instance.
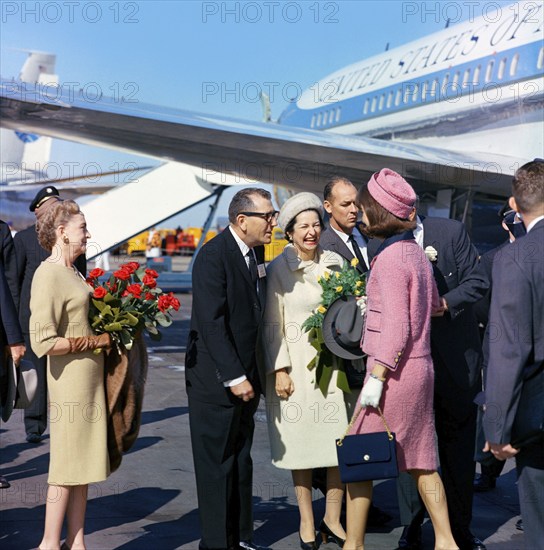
column 415, row 92
column 365, row 108
column 489, row 70
column 382, row 101
column 390, row 99
column 514, row 65
column 331, row 116
column 445, row 82
column 502, row 67
column 424, row 90
column 312, row 123
column 466, row 78
column 318, row 119
column 407, row 92
column 540, row 62
column 338, row 111
column 476, row 75
column 398, row 97
column 434, row 87
column 455, row 82
column 373, row 106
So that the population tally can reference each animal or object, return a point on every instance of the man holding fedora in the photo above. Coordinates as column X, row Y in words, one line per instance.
column 29, row 256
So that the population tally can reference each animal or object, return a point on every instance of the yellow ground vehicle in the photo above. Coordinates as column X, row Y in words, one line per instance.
column 186, row 244
column 276, row 246
column 137, row 244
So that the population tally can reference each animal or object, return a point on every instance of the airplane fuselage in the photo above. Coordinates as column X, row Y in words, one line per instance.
column 476, row 86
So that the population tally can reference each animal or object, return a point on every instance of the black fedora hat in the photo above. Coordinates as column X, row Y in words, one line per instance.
column 343, row 328
column 42, row 195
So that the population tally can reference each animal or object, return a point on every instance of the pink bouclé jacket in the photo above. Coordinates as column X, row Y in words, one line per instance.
column 399, row 307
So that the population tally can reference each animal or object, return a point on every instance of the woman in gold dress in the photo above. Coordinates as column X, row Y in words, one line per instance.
column 78, row 421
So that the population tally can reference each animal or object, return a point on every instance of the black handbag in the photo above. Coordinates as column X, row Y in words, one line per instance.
column 528, row 426
column 365, row 457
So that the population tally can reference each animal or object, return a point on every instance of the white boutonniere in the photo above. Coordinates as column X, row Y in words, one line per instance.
column 431, row 253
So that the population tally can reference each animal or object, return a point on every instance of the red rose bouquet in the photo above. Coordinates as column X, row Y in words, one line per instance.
column 130, row 301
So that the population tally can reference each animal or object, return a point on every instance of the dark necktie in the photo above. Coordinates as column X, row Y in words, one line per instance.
column 357, row 252
column 253, row 267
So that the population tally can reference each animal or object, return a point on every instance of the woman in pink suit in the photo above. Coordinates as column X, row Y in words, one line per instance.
column 402, row 296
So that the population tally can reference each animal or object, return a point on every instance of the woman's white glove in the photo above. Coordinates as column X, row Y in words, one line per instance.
column 361, row 302
column 372, row 391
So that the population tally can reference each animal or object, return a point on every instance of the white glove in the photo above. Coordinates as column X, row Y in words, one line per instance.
column 361, row 302
column 372, row 391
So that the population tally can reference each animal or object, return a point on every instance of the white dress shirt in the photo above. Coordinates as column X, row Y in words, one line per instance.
column 358, row 239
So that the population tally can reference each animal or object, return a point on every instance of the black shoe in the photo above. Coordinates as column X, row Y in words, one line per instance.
column 519, row 524
column 377, row 517
column 469, row 542
column 327, row 534
column 410, row 538
column 484, row 483
column 307, row 545
column 33, row 438
column 249, row 545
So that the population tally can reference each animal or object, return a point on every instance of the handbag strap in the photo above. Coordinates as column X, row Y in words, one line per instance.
column 339, row 442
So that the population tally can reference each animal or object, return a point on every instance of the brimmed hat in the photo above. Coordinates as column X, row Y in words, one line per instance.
column 43, row 195
column 392, row 192
column 343, row 328
column 297, row 204
column 22, row 383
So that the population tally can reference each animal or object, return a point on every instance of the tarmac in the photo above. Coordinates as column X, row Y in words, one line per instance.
column 150, row 502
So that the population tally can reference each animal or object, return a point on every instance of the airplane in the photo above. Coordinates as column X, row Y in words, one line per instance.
column 455, row 112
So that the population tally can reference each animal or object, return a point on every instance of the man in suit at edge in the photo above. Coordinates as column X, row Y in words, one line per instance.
column 457, row 353
column 342, row 236
column 229, row 286
column 29, row 254
column 516, row 352
column 11, row 337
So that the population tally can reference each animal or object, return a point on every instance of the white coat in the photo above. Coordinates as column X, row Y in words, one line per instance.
column 303, row 428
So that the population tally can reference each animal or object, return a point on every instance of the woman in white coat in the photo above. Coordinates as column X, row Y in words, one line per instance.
column 303, row 424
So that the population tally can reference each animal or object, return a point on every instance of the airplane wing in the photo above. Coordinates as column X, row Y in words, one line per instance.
column 253, row 151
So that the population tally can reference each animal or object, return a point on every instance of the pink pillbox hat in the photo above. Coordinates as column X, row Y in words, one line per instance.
column 392, row 192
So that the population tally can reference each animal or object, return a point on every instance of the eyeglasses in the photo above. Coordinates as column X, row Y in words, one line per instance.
column 266, row 216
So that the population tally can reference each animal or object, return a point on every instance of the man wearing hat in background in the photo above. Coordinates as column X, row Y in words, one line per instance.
column 11, row 339
column 29, row 255
column 456, row 353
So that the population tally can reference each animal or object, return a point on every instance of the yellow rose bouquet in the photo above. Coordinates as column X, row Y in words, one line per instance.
column 335, row 284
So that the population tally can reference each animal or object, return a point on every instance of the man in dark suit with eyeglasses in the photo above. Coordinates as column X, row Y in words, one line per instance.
column 229, row 289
